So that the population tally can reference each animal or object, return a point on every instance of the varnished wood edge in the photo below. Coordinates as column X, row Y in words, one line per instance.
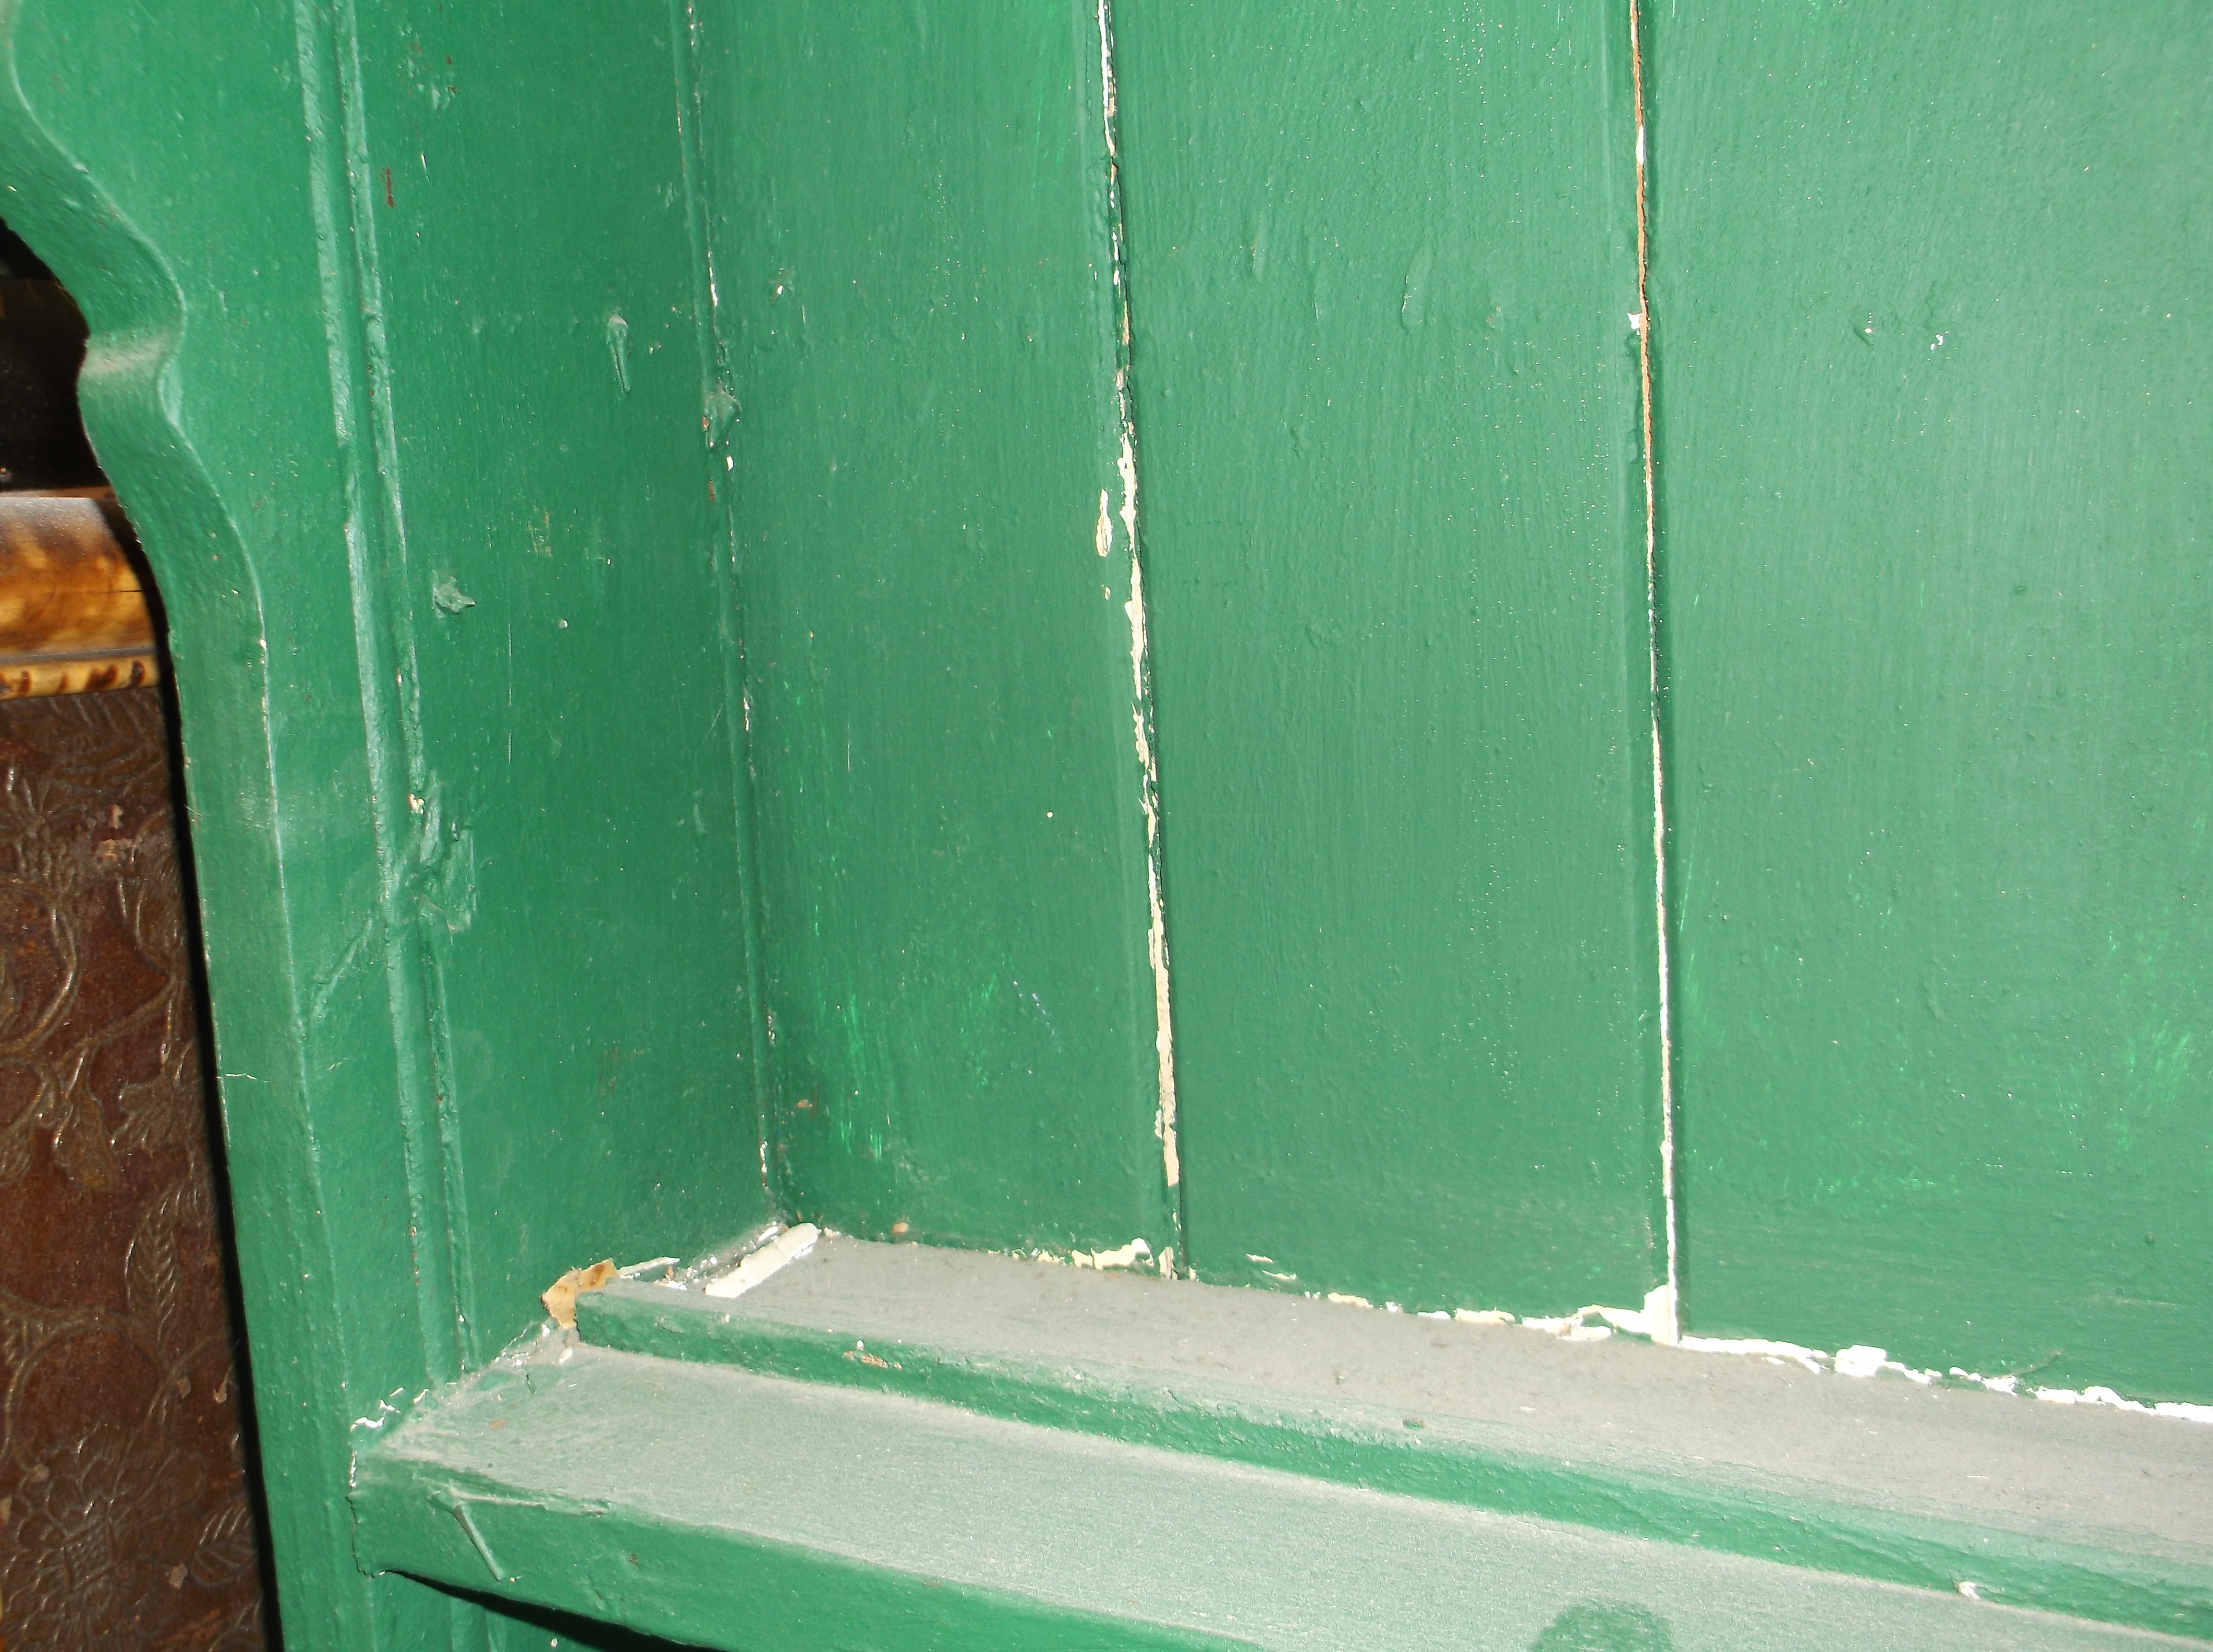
column 74, row 617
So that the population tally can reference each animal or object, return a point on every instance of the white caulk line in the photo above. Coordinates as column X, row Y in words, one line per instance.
column 786, row 1247
column 1156, row 939
column 1668, row 1326
column 1107, row 79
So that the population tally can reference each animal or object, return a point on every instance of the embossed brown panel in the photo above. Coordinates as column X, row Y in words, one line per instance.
column 123, row 1517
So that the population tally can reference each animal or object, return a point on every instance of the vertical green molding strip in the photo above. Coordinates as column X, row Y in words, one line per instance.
column 554, row 543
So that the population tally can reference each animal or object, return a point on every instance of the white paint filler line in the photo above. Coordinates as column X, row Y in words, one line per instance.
column 1655, row 1321
column 1156, row 939
column 785, row 1248
column 776, row 1247
column 1662, row 1310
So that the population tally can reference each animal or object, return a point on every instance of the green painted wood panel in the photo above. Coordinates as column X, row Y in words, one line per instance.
column 1931, row 305
column 556, row 589
column 2072, row 1509
column 1383, row 262
column 916, row 274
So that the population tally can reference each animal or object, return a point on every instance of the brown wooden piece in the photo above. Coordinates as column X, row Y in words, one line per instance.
column 73, row 612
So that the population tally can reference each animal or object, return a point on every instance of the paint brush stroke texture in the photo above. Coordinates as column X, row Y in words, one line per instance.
column 1387, row 404
column 1931, row 307
column 923, row 311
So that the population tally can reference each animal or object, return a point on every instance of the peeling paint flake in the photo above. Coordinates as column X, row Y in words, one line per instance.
column 560, row 1296
column 1124, row 1256
column 1125, row 463
column 758, row 1265
column 1859, row 1361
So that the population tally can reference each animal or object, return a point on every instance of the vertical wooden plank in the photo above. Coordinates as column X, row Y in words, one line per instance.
column 1931, row 301
column 556, row 624
column 1383, row 264
column 916, row 285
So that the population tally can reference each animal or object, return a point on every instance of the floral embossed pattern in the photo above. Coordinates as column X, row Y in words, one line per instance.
column 123, row 1520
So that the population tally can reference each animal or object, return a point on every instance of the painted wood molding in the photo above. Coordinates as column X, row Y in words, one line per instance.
column 73, row 612
column 902, row 1446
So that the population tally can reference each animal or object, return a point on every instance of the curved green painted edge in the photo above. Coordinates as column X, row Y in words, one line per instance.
column 130, row 392
column 137, row 310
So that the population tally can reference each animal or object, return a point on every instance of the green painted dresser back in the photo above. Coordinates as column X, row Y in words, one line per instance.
column 1063, row 627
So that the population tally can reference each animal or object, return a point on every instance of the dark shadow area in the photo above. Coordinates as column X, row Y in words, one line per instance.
column 565, row 1632
column 42, row 440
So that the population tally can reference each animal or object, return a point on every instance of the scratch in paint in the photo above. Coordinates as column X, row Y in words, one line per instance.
column 477, row 1541
column 1156, row 942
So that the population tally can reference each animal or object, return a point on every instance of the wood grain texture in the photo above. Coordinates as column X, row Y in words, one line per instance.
column 1931, row 309
column 1382, row 263
column 73, row 615
column 913, row 249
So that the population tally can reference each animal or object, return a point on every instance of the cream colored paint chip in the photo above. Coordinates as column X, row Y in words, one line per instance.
column 759, row 1264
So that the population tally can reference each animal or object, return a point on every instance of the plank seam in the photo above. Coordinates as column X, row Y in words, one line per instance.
column 717, row 398
column 1667, row 1326
column 1156, row 944
column 404, row 808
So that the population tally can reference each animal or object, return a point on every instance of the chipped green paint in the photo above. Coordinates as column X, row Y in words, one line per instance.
column 1382, row 263
column 917, row 287
column 640, row 497
column 449, row 624
column 1931, row 301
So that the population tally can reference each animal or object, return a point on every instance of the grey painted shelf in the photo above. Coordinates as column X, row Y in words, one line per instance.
column 894, row 1445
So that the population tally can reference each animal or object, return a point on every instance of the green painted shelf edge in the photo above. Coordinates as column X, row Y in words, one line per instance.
column 1011, row 1340
column 723, row 1509
column 687, row 1580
